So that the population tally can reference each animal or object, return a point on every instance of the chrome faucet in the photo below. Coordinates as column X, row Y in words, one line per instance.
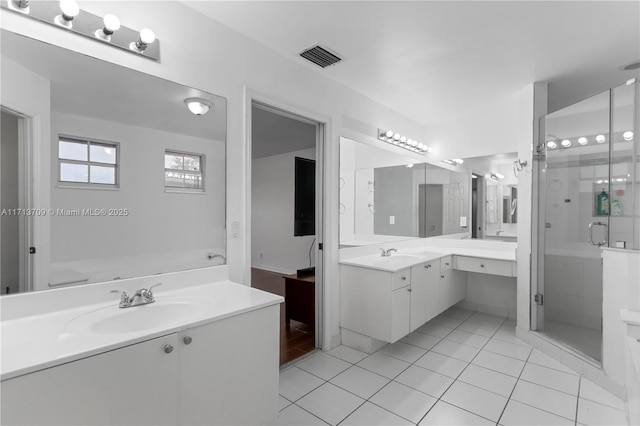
column 212, row 256
column 499, row 231
column 143, row 296
column 387, row 253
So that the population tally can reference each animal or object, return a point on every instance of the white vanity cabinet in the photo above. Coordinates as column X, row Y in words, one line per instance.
column 424, row 292
column 222, row 372
column 480, row 265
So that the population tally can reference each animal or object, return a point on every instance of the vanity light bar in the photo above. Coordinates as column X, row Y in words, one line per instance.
column 454, row 161
column 68, row 15
column 585, row 140
column 402, row 141
column 497, row 176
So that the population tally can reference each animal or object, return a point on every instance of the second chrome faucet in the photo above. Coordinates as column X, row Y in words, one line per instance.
column 143, row 296
column 386, row 253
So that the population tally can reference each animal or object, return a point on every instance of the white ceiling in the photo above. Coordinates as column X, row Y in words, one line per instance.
column 273, row 134
column 432, row 60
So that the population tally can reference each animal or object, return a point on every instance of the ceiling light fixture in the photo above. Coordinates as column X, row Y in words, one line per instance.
column 566, row 143
column 628, row 135
column 454, row 161
column 111, row 25
column 497, row 176
column 70, row 10
column 402, row 141
column 552, row 145
column 582, row 140
column 600, row 139
column 198, row 106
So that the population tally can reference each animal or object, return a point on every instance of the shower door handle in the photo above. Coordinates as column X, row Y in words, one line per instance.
column 599, row 243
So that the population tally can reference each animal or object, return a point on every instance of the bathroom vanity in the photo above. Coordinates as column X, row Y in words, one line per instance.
column 201, row 354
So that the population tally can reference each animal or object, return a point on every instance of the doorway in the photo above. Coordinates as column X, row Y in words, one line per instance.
column 16, row 218
column 286, row 221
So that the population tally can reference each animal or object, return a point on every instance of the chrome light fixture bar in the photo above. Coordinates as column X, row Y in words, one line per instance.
column 402, row 141
column 68, row 16
column 454, row 161
column 588, row 140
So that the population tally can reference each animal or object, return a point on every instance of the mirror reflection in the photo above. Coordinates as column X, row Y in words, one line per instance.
column 385, row 196
column 135, row 184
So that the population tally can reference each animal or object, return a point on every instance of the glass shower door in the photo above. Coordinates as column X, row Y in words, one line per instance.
column 575, row 204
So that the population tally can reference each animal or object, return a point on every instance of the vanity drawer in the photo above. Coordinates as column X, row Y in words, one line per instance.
column 446, row 263
column 401, row 279
column 485, row 266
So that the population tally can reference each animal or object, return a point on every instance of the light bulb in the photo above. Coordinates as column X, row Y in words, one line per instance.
column 147, row 36
column 582, row 141
column 389, row 134
column 70, row 9
column 566, row 143
column 429, row 149
column 396, row 137
column 403, row 139
column 551, row 145
column 111, row 23
column 627, row 136
column 414, row 143
column 600, row 139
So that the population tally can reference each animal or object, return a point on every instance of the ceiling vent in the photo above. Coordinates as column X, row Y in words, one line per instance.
column 320, row 56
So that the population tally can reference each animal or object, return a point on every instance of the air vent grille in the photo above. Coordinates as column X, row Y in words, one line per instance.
column 320, row 56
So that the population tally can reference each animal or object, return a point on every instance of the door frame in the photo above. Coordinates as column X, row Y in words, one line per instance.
column 26, row 178
column 322, row 124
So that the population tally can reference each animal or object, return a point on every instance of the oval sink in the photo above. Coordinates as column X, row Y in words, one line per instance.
column 397, row 259
column 161, row 313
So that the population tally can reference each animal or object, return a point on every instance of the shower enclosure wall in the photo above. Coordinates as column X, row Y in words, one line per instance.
column 586, row 174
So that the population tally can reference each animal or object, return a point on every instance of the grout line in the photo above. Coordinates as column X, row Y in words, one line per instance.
column 578, row 399
column 514, row 388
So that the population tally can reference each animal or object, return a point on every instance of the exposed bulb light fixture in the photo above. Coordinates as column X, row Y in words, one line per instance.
column 627, row 136
column 409, row 165
column 146, row 38
column 497, row 176
column 582, row 140
column 552, row 145
column 600, row 139
column 566, row 143
column 454, row 161
column 70, row 10
column 111, row 25
column 21, row 6
column 402, row 141
column 198, row 106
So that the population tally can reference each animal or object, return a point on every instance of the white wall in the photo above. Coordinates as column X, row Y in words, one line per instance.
column 273, row 245
column 29, row 94
column 9, row 268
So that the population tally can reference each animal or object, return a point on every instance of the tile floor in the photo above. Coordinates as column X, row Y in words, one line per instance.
column 461, row 368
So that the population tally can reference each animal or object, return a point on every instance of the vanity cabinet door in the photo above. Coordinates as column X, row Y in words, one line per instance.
column 228, row 370
column 401, row 310
column 134, row 385
column 424, row 293
column 453, row 288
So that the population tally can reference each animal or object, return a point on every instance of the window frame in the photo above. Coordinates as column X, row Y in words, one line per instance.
column 202, row 172
column 88, row 142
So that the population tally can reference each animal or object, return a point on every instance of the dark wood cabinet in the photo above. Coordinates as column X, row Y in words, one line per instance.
column 300, row 299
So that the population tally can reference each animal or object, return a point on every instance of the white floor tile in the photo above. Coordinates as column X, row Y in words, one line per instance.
column 324, row 365
column 359, row 381
column 520, row 352
column 545, row 360
column 591, row 413
column 475, row 328
column 507, row 335
column 384, row 365
column 296, row 416
column 593, row 392
column 348, row 354
column 330, row 403
column 425, row 381
column 458, row 313
column 509, row 324
column 421, row 340
column 499, row 383
column 546, row 399
column 467, row 338
column 447, row 414
column 487, row 319
column 479, row 401
column 442, row 364
column 283, row 403
column 551, row 378
column 446, row 321
column 404, row 401
column 434, row 329
column 403, row 351
column 499, row 363
column 295, row 383
column 369, row 415
column 519, row 414
column 456, row 350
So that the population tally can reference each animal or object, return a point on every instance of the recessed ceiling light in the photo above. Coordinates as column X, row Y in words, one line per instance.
column 627, row 136
column 566, row 143
column 600, row 139
column 551, row 145
column 582, row 141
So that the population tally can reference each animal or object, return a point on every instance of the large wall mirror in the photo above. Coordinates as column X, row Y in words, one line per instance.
column 385, row 196
column 136, row 182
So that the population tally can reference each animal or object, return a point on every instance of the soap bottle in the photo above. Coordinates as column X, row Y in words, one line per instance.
column 602, row 208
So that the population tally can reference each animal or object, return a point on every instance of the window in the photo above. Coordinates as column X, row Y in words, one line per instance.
column 183, row 170
column 86, row 162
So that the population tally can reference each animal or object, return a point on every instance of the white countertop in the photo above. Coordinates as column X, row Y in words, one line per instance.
column 407, row 257
column 36, row 342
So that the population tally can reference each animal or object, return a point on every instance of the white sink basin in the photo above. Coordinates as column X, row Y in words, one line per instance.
column 162, row 313
column 397, row 259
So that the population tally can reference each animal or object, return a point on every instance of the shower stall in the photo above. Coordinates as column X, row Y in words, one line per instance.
column 586, row 183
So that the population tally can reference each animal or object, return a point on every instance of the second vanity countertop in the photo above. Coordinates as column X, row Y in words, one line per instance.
column 37, row 342
column 408, row 257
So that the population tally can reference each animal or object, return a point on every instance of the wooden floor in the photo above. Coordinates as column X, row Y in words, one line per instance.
column 296, row 339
